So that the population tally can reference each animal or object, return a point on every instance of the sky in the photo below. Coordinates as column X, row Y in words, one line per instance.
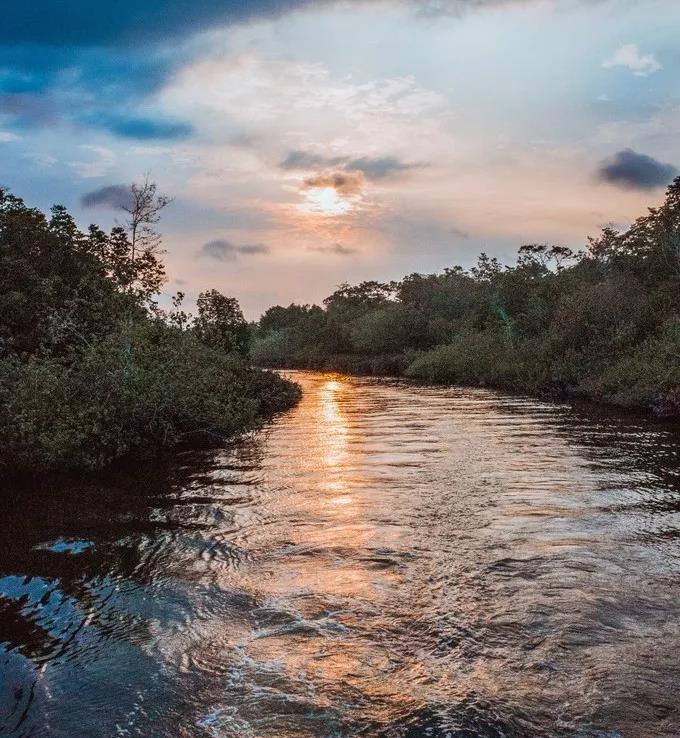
column 307, row 143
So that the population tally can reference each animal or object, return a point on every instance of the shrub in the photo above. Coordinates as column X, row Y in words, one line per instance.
column 146, row 385
column 487, row 357
column 645, row 377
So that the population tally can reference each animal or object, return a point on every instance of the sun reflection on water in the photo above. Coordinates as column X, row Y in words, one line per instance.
column 335, row 435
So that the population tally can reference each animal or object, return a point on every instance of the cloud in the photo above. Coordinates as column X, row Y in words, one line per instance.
column 143, row 129
column 98, row 56
column 435, row 8
column 380, row 167
column 46, row 85
column 335, row 248
column 222, row 250
column 27, row 110
column 629, row 169
column 7, row 137
column 105, row 159
column 373, row 168
column 344, row 183
column 111, row 196
column 630, row 57
column 41, row 159
column 87, row 23
column 307, row 160
column 348, row 181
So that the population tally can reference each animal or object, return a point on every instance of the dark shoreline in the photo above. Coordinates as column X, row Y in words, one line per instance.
column 157, row 456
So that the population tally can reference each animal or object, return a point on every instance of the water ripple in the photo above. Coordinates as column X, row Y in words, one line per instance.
column 386, row 561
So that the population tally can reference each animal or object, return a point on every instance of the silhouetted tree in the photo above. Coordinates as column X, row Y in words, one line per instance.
column 220, row 323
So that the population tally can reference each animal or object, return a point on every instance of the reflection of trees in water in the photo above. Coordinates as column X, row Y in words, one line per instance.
column 630, row 450
column 623, row 442
column 52, row 603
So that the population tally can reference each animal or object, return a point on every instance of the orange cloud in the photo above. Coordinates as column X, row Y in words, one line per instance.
column 348, row 184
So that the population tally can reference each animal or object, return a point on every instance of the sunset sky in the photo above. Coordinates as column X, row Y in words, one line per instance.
column 309, row 143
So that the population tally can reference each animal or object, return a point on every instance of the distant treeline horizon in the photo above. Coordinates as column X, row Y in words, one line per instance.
column 602, row 323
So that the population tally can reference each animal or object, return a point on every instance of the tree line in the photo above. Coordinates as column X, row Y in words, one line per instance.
column 602, row 323
column 90, row 366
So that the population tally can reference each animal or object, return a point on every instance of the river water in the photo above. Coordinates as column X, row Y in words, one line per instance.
column 385, row 560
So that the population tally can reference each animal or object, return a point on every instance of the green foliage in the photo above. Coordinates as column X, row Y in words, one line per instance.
column 90, row 368
column 386, row 330
column 484, row 357
column 220, row 323
column 146, row 385
column 601, row 323
column 297, row 335
column 647, row 375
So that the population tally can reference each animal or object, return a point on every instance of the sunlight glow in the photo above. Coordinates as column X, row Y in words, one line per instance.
column 336, row 430
column 325, row 201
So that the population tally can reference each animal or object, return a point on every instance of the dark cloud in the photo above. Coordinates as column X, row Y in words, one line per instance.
column 142, row 129
column 111, row 196
column 35, row 91
column 380, row 167
column 38, row 110
column 636, row 171
column 83, row 22
column 88, row 23
column 307, row 160
column 335, row 248
column 345, row 183
column 222, row 250
column 74, row 55
column 373, row 168
column 61, row 57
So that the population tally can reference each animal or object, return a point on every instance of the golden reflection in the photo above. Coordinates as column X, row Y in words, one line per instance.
column 342, row 500
column 335, row 432
column 318, row 552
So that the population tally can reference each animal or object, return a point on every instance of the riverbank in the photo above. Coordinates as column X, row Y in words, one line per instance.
column 663, row 406
column 92, row 369
column 601, row 324
column 114, row 405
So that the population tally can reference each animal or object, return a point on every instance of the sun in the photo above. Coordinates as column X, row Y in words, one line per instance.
column 325, row 201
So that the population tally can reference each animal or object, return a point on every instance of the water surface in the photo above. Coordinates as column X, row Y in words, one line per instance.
column 385, row 560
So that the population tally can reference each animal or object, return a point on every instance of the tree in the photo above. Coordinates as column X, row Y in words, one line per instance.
column 144, row 208
column 220, row 323
column 542, row 255
column 90, row 369
column 351, row 301
column 178, row 316
column 54, row 290
column 487, row 268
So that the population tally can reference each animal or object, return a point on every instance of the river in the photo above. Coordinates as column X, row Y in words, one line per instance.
column 385, row 560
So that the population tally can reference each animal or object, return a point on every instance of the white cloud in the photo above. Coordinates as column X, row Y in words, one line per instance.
column 630, row 57
column 43, row 160
column 6, row 137
column 97, row 167
column 263, row 94
column 287, row 104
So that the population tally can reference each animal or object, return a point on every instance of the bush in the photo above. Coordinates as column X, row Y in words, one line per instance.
column 90, row 368
column 147, row 385
column 646, row 377
column 471, row 358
